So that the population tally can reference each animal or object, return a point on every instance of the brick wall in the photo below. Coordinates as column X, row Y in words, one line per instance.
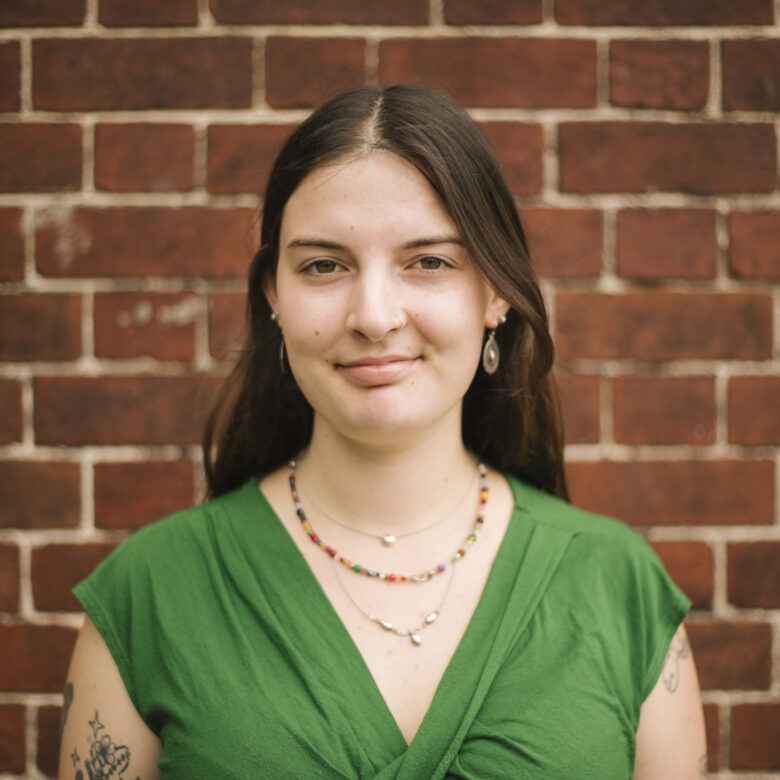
column 641, row 140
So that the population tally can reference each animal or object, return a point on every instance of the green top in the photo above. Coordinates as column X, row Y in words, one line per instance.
column 233, row 654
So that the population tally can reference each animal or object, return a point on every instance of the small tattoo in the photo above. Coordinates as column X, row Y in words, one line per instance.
column 671, row 671
column 95, row 725
column 703, row 766
column 79, row 775
column 74, row 757
column 106, row 759
column 67, row 700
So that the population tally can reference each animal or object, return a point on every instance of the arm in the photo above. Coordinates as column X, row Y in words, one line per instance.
column 100, row 725
column 670, row 740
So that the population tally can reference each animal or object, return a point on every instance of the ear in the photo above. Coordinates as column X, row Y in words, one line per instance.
column 269, row 290
column 496, row 309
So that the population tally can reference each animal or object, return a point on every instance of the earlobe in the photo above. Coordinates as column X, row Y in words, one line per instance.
column 496, row 314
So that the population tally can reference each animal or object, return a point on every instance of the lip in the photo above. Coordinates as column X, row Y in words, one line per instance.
column 377, row 371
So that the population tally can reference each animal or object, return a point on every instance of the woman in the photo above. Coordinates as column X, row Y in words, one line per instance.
column 394, row 405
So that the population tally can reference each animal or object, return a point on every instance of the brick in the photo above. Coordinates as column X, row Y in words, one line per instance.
column 580, row 398
column 754, row 252
column 691, row 566
column 662, row 13
column 131, row 495
column 304, row 72
column 35, row 658
column 754, row 730
column 12, row 738
column 11, row 404
column 492, row 11
column 49, row 739
column 520, row 148
column 712, row 731
column 11, row 245
column 373, row 12
column 659, row 74
column 137, row 74
column 754, row 412
column 751, row 75
column 9, row 578
column 144, row 158
column 56, row 568
column 40, row 158
column 727, row 492
column 240, row 156
column 666, row 243
column 142, row 409
column 40, row 495
column 131, row 13
column 655, row 156
column 654, row 326
column 10, row 73
column 42, row 13
column 158, row 325
column 488, row 72
column 565, row 243
column 754, row 574
column 227, row 319
column 663, row 410
column 144, row 242
column 40, row 327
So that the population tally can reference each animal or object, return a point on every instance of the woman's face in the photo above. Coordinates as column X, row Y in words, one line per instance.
column 383, row 311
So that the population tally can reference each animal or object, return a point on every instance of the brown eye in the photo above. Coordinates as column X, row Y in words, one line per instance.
column 322, row 267
column 431, row 263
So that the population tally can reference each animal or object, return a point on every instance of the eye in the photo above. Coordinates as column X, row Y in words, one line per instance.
column 432, row 263
column 321, row 267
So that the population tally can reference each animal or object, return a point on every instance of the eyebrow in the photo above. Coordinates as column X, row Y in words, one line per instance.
column 320, row 243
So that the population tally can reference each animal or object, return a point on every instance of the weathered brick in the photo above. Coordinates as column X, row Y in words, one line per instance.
column 655, row 156
column 751, row 75
column 754, row 574
column 49, row 739
column 90, row 74
column 579, row 397
column 39, row 495
column 11, row 404
column 142, row 242
column 728, row 492
column 35, row 658
column 520, row 148
column 666, row 243
column 131, row 495
column 564, row 243
column 40, row 327
column 10, row 73
column 241, row 156
column 691, row 566
column 227, row 320
column 712, row 729
column 405, row 12
column 662, row 13
column 303, row 72
column 754, row 252
column 131, row 13
column 663, row 410
column 142, row 409
column 9, row 578
column 56, row 568
column 11, row 245
column 754, row 730
column 654, row 326
column 495, row 71
column 13, row 733
column 144, row 158
column 492, row 11
column 659, row 74
column 159, row 325
column 754, row 411
column 39, row 158
column 42, row 13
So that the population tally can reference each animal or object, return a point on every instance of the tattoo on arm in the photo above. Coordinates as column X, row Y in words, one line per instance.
column 67, row 700
column 106, row 759
column 703, row 765
column 671, row 672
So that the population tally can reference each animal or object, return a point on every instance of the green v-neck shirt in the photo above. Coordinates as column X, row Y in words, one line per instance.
column 234, row 656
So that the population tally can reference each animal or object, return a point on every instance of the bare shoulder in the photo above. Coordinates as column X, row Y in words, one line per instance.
column 102, row 733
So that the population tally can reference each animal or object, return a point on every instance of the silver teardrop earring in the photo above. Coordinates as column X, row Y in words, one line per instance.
column 275, row 318
column 490, row 353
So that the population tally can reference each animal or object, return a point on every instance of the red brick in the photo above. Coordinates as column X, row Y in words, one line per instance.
column 142, row 73
column 659, row 74
column 56, row 568
column 661, row 13
column 141, row 409
column 12, row 738
column 11, row 245
column 666, row 243
column 39, row 158
column 495, row 71
column 691, row 566
column 143, row 242
column 131, row 495
column 751, row 75
column 654, row 156
column 579, row 397
column 712, row 729
column 159, row 325
column 40, row 327
column 520, row 148
column 144, row 158
column 9, row 578
column 227, row 318
column 35, row 658
column 10, row 69
column 42, row 13
column 727, row 492
column 303, row 72
column 49, row 739
column 39, row 495
column 754, row 252
column 754, row 730
column 754, row 574
column 654, row 326
column 663, row 410
column 492, row 11
column 11, row 404
column 754, row 411
column 131, row 13
column 241, row 156
column 403, row 12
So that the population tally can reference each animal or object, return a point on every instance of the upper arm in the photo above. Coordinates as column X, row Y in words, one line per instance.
column 670, row 740
column 100, row 725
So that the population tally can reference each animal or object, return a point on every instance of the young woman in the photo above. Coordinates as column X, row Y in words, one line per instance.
column 388, row 580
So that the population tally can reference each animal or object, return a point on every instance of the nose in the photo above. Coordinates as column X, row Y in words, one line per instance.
column 375, row 308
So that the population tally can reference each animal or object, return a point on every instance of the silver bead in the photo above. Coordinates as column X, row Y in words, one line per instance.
column 388, row 540
column 430, row 618
column 386, row 624
column 416, row 639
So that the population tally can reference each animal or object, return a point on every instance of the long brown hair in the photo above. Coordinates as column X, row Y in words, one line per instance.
column 511, row 418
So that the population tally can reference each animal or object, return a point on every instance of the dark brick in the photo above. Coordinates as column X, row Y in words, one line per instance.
column 754, row 730
column 379, row 12
column 580, row 400
column 691, row 566
column 40, row 158
column 751, row 75
column 11, row 404
column 754, row 252
column 35, row 658
column 754, row 574
column 754, row 411
column 13, row 738
column 40, row 327
column 11, row 245
column 10, row 73
column 520, row 148
column 49, row 739
column 492, row 11
column 40, row 495
column 42, row 13
column 712, row 728
column 9, row 578
column 131, row 13
column 661, row 13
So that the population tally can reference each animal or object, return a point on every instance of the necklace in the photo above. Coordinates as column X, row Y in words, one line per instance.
column 388, row 577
